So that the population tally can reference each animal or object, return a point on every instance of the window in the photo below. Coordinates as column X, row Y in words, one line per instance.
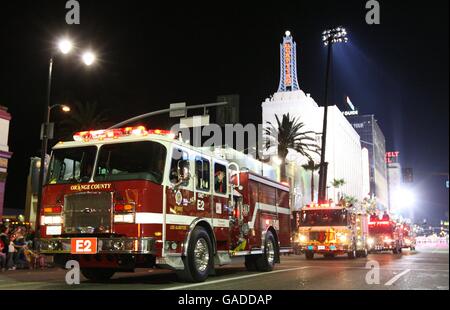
column 220, row 178
column 323, row 218
column 202, row 173
column 179, row 168
column 131, row 161
column 72, row 165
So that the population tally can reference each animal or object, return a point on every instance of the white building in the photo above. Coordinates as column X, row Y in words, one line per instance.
column 343, row 148
column 394, row 171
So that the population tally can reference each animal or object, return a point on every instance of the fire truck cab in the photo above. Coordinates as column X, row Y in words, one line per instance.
column 330, row 230
column 120, row 199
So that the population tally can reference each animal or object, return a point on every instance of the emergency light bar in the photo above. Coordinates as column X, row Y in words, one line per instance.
column 85, row 136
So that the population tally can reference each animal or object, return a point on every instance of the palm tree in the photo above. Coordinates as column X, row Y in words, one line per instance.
column 84, row 116
column 288, row 134
column 311, row 166
column 338, row 183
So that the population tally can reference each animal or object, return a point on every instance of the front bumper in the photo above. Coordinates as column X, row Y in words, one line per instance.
column 104, row 245
column 382, row 247
column 323, row 248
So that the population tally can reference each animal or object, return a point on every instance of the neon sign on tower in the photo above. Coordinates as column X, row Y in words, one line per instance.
column 288, row 63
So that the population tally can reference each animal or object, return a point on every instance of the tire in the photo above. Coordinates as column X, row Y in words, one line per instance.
column 250, row 262
column 266, row 261
column 365, row 253
column 98, row 275
column 309, row 255
column 352, row 254
column 198, row 263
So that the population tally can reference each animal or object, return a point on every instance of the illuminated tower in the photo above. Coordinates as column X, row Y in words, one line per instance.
column 288, row 64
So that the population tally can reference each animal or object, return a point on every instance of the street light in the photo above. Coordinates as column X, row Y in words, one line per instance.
column 88, row 58
column 65, row 46
column 329, row 38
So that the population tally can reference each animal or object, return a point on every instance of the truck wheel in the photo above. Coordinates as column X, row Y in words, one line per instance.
column 352, row 254
column 309, row 255
column 97, row 275
column 198, row 261
column 266, row 261
column 365, row 253
column 250, row 262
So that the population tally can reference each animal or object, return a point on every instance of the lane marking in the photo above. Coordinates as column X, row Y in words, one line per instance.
column 234, row 278
column 381, row 268
column 392, row 281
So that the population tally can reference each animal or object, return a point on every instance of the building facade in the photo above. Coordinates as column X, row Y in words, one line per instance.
column 5, row 154
column 343, row 148
column 373, row 139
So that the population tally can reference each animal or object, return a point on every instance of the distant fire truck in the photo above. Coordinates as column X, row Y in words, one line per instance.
column 409, row 237
column 120, row 199
column 330, row 230
column 385, row 234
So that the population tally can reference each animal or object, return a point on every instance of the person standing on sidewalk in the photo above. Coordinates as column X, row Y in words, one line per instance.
column 4, row 247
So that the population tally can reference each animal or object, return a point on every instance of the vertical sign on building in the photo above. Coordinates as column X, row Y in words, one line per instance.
column 288, row 63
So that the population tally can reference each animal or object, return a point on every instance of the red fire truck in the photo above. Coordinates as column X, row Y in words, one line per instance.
column 119, row 199
column 385, row 234
column 409, row 237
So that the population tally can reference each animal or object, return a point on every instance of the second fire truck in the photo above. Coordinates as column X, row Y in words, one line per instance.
column 330, row 230
column 385, row 234
column 120, row 199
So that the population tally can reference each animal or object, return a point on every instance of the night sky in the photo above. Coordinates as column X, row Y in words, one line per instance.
column 155, row 54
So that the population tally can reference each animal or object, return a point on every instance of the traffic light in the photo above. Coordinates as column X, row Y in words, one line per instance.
column 408, row 176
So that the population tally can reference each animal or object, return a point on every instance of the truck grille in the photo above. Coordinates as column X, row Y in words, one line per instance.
column 88, row 213
column 319, row 236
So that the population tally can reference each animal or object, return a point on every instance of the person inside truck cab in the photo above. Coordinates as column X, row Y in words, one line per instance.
column 385, row 216
column 219, row 182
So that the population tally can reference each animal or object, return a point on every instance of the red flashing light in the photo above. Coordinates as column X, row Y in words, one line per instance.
column 84, row 136
column 56, row 209
column 123, row 208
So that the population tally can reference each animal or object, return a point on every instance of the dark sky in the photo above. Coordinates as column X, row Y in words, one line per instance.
column 153, row 54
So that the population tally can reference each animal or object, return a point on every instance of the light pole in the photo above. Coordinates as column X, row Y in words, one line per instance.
column 329, row 37
column 65, row 46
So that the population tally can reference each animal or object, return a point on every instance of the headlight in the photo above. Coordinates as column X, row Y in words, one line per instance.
column 302, row 238
column 342, row 238
column 387, row 240
column 370, row 241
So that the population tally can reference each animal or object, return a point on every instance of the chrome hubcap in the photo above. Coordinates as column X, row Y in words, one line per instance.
column 201, row 255
column 270, row 252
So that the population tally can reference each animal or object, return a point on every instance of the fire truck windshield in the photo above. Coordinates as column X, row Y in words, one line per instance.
column 131, row 161
column 381, row 227
column 323, row 217
column 72, row 165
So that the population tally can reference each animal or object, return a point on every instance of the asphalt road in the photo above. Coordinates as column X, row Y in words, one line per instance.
column 422, row 269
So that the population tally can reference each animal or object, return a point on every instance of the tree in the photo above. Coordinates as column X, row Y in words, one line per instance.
column 286, row 135
column 337, row 184
column 83, row 116
column 311, row 166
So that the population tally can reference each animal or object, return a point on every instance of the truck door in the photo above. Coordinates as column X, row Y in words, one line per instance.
column 220, row 204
